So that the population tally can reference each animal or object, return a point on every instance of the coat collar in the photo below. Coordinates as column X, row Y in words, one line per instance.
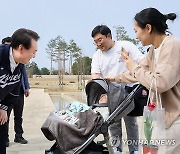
column 151, row 50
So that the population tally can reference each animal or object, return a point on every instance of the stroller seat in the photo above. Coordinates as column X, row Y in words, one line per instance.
column 119, row 103
column 71, row 127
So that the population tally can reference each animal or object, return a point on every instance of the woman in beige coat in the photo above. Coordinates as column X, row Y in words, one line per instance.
column 163, row 62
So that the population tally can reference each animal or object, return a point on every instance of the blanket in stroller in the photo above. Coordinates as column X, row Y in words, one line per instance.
column 71, row 127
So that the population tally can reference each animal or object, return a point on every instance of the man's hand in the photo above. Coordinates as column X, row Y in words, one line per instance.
column 127, row 59
column 3, row 117
column 95, row 75
column 110, row 78
column 27, row 92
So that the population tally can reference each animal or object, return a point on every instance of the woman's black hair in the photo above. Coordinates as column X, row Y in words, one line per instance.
column 155, row 18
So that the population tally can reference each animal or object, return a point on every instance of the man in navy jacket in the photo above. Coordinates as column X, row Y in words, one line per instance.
column 19, row 106
column 22, row 49
column 18, row 110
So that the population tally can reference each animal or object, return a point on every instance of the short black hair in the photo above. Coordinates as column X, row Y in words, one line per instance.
column 23, row 36
column 6, row 39
column 102, row 29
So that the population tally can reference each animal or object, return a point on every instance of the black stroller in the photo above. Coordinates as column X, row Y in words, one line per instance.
column 120, row 103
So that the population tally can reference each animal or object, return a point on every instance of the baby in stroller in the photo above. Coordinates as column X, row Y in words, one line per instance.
column 78, row 137
column 103, row 106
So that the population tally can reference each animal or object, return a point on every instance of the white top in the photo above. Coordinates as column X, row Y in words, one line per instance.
column 13, row 64
column 110, row 62
column 157, row 50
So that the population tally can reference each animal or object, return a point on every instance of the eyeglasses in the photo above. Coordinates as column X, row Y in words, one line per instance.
column 98, row 41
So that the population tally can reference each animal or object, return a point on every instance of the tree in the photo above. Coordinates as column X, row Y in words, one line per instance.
column 60, row 51
column 121, row 34
column 32, row 69
column 74, row 52
column 51, row 51
column 57, row 49
column 87, row 66
column 44, row 71
column 61, row 57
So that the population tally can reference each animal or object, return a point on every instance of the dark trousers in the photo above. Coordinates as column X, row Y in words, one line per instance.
column 18, row 112
column 3, row 138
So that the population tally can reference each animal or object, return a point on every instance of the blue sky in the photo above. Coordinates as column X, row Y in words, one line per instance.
column 75, row 19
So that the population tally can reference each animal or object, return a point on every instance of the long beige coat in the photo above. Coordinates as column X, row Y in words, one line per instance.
column 167, row 74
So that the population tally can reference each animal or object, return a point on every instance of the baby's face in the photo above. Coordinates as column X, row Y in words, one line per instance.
column 103, row 98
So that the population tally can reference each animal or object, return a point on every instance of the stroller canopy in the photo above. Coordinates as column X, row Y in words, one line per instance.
column 94, row 89
column 116, row 93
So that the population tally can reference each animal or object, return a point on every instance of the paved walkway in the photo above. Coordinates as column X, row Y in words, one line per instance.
column 37, row 107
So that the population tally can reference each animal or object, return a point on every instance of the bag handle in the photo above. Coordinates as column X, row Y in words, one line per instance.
column 158, row 97
column 150, row 89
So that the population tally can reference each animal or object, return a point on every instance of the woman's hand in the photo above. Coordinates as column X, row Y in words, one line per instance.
column 127, row 59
